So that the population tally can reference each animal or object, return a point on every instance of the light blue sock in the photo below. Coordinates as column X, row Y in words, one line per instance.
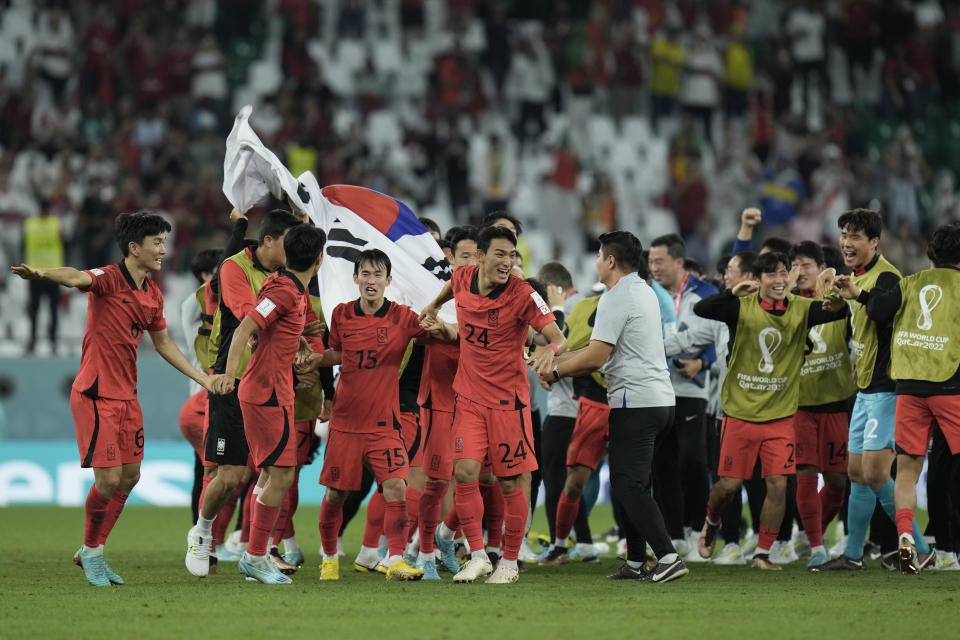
column 885, row 496
column 859, row 511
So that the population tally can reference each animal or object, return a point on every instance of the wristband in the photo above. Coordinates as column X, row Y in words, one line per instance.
column 556, row 349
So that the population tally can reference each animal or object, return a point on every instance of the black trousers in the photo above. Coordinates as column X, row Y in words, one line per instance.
column 40, row 289
column 633, row 440
column 943, row 493
column 555, row 439
column 352, row 504
column 681, row 480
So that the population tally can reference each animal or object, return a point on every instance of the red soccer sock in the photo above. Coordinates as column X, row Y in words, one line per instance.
column 713, row 516
column 288, row 531
column 395, row 526
column 830, row 504
column 95, row 512
column 375, row 511
column 247, row 512
column 766, row 539
column 905, row 522
column 567, row 510
column 264, row 519
column 114, row 507
column 493, row 509
column 515, row 522
column 283, row 519
column 225, row 515
column 413, row 509
column 809, row 508
column 469, row 505
column 430, row 505
column 452, row 519
column 331, row 517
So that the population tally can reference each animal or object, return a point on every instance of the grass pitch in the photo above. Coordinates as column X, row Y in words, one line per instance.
column 42, row 594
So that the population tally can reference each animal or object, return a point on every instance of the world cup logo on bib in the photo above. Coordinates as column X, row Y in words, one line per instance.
column 816, row 337
column 930, row 297
column 770, row 340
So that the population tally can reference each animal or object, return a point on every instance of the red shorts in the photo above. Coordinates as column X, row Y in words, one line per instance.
column 588, row 443
column 822, row 439
column 109, row 432
column 193, row 420
column 347, row 452
column 412, row 437
column 741, row 443
column 916, row 418
column 437, row 447
column 506, row 435
column 270, row 435
column 304, row 431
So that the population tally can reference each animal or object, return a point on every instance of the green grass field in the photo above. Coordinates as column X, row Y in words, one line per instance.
column 42, row 594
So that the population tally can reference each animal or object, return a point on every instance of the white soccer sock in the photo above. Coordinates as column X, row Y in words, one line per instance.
column 633, row 564
column 367, row 556
column 424, row 557
column 480, row 554
column 446, row 533
column 510, row 564
column 668, row 558
column 382, row 542
column 205, row 525
column 908, row 537
column 561, row 543
column 290, row 545
column 92, row 551
column 819, row 548
column 389, row 562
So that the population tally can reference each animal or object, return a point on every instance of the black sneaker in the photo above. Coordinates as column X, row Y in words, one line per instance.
column 841, row 563
column 556, row 555
column 626, row 572
column 890, row 561
column 610, row 535
column 872, row 551
column 666, row 571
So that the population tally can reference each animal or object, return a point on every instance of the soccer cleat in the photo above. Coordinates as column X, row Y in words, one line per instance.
column 473, row 569
column 503, row 575
column 946, row 561
column 260, row 568
column 681, row 546
column 527, row 554
column 666, row 571
column 111, row 576
column 429, row 568
column 840, row 563
column 376, row 567
column 557, row 556
column 197, row 559
column 583, row 553
column 402, row 571
column 224, row 554
column 750, row 541
column 840, row 545
column 448, row 553
column 872, row 551
column 213, row 565
column 783, row 553
column 891, row 561
column 708, row 539
column 817, row 558
column 802, row 545
column 610, row 535
column 282, row 565
column 924, row 560
column 730, row 554
column 94, row 568
column 330, row 569
column 762, row 561
column 233, row 543
column 626, row 572
column 907, row 556
column 295, row 558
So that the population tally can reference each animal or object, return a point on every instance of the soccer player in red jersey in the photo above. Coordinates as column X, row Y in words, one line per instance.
column 368, row 338
column 266, row 390
column 437, row 401
column 123, row 303
column 494, row 313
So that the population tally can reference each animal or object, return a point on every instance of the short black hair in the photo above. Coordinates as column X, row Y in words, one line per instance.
column 768, row 263
column 204, row 262
column 777, row 245
column 722, row 263
column 643, row 269
column 747, row 260
column 456, row 235
column 490, row 218
column 431, row 226
column 302, row 245
column 555, row 273
column 833, row 258
column 374, row 257
column 689, row 264
column 489, row 234
column 624, row 247
column 944, row 246
column 865, row 220
column 134, row 227
column 276, row 223
column 674, row 244
column 807, row 249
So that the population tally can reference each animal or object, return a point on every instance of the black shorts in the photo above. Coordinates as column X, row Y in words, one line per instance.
column 226, row 442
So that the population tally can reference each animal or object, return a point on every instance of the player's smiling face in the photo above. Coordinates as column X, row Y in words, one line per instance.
column 808, row 270
column 150, row 254
column 372, row 280
column 773, row 286
column 465, row 254
column 857, row 249
column 498, row 260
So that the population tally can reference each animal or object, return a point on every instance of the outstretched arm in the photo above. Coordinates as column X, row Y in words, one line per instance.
column 66, row 276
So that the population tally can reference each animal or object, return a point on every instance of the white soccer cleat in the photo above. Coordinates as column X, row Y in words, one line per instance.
column 801, row 544
column 782, row 553
column 681, row 546
column 197, row 559
column 946, row 561
column 730, row 554
column 233, row 544
column 526, row 552
column 749, row 542
column 473, row 569
column 503, row 575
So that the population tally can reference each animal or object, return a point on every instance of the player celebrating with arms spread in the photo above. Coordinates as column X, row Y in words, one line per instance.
column 494, row 311
column 122, row 303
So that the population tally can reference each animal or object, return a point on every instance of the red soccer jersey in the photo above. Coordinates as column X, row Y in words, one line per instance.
column 117, row 315
column 280, row 311
column 439, row 370
column 493, row 330
column 371, row 349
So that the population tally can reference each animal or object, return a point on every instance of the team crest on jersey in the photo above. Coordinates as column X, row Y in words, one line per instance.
column 335, row 473
column 381, row 335
column 493, row 317
column 727, row 463
column 458, row 445
column 111, row 452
